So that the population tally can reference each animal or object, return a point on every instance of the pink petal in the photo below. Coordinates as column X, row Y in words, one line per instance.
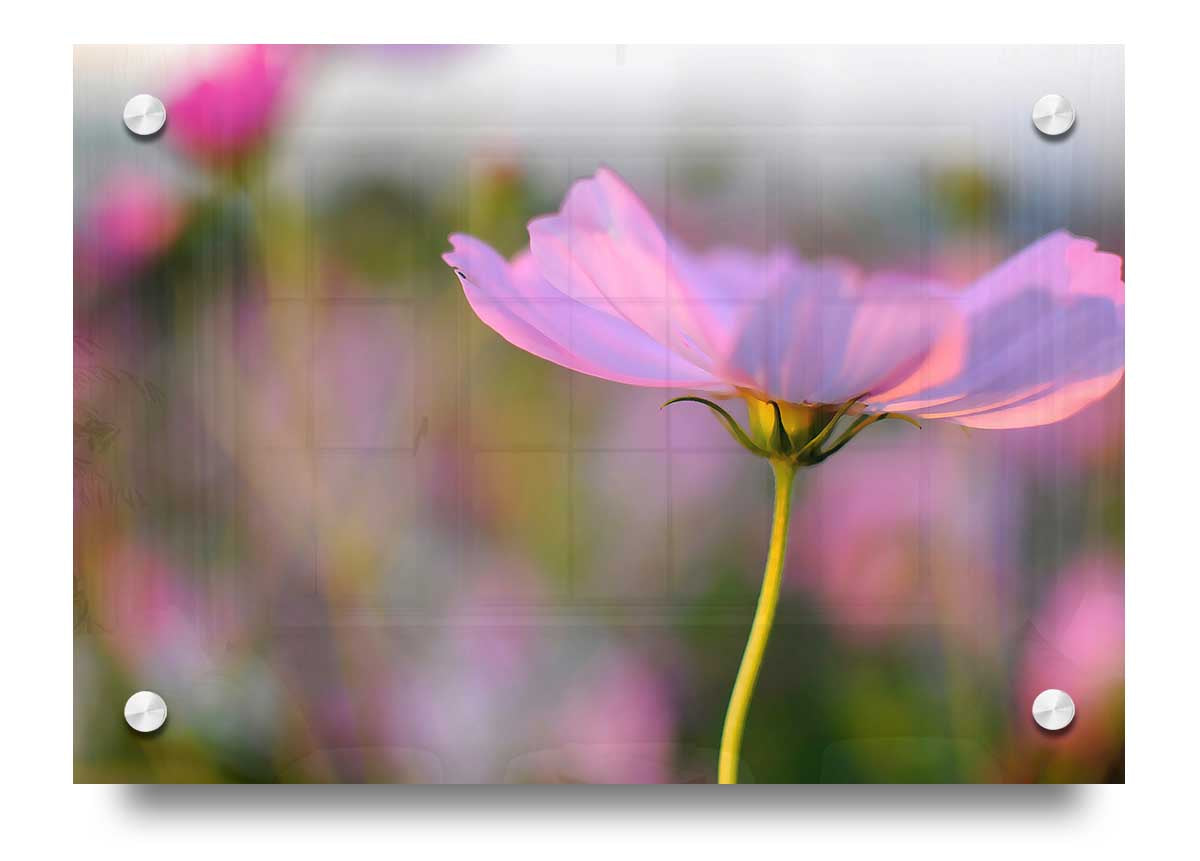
column 606, row 291
column 604, row 247
column 732, row 284
column 515, row 301
column 1044, row 337
column 824, row 335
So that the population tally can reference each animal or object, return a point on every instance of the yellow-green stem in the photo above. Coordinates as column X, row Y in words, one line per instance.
column 760, row 630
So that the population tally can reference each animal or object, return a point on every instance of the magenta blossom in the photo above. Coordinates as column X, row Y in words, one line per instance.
column 132, row 218
column 1076, row 643
column 228, row 110
column 605, row 291
column 1078, row 638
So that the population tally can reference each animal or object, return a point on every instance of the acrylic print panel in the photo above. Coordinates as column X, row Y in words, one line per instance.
column 373, row 477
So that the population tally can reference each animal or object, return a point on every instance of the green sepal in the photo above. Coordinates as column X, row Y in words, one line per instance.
column 815, row 443
column 903, row 418
column 780, row 442
column 860, row 424
column 735, row 430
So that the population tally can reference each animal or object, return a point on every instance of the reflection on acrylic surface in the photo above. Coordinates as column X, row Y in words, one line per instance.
column 351, row 533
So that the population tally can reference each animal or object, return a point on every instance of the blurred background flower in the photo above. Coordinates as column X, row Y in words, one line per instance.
column 227, row 108
column 1076, row 643
column 907, row 531
column 130, row 220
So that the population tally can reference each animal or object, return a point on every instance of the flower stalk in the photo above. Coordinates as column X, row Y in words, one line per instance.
column 790, row 436
column 760, row 630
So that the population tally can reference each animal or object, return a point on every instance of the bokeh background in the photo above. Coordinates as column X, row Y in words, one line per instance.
column 350, row 534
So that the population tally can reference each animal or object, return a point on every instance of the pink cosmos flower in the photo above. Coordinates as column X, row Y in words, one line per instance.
column 229, row 109
column 605, row 291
